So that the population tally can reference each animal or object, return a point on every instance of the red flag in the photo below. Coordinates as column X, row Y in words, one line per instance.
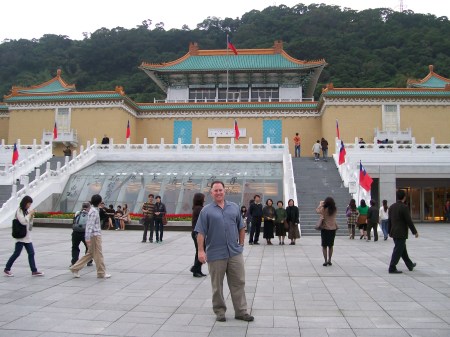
column 15, row 156
column 342, row 153
column 231, row 46
column 128, row 130
column 236, row 130
column 55, row 132
column 337, row 130
column 364, row 179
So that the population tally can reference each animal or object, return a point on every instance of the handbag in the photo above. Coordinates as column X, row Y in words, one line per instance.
column 319, row 224
column 19, row 231
column 362, row 219
column 286, row 225
column 164, row 220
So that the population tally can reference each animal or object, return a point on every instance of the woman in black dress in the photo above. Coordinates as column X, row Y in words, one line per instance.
column 292, row 217
column 269, row 218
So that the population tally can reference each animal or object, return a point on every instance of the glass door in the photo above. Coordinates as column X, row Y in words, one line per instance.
column 414, row 203
column 428, row 204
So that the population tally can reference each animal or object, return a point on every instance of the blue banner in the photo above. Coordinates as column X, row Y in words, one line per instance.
column 182, row 130
column 272, row 129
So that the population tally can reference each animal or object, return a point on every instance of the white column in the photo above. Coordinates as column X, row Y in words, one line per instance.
column 388, row 184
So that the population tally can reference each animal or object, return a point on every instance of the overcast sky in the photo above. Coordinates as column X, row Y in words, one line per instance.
column 33, row 18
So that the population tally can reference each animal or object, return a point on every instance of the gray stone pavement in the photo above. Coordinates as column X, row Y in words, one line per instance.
column 290, row 293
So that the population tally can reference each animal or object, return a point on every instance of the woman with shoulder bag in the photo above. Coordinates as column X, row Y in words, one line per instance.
column 363, row 209
column 327, row 209
column 25, row 217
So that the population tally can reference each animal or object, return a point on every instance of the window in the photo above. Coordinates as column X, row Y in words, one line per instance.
column 391, row 118
column 234, row 95
column 265, row 94
column 63, row 119
column 202, row 94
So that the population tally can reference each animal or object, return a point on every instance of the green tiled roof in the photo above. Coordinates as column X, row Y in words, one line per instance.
column 432, row 82
column 232, row 62
column 236, row 106
column 3, row 107
column 53, row 87
column 68, row 97
column 382, row 92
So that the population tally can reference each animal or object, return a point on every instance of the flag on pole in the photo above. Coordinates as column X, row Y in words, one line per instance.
column 236, row 130
column 337, row 130
column 55, row 132
column 128, row 130
column 364, row 179
column 342, row 153
column 15, row 156
column 231, row 46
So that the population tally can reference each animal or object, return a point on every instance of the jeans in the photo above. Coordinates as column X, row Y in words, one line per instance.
column 256, row 229
column 16, row 254
column 325, row 153
column 159, row 229
column 117, row 223
column 148, row 223
column 384, row 228
column 297, row 150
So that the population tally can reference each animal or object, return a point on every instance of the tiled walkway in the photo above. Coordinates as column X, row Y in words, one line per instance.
column 290, row 293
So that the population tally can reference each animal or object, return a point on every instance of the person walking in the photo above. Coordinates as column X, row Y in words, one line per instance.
column 316, row 150
column 93, row 237
column 220, row 224
column 372, row 220
column 362, row 219
column 324, row 145
column 25, row 216
column 398, row 223
column 160, row 212
column 297, row 145
column 256, row 213
column 148, row 208
column 327, row 210
column 352, row 218
column 292, row 217
column 78, row 233
column 197, row 206
column 269, row 218
column 280, row 221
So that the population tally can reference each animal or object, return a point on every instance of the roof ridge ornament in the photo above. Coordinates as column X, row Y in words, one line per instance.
column 277, row 46
column 193, row 48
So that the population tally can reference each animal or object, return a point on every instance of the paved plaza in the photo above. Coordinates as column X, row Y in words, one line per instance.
column 152, row 293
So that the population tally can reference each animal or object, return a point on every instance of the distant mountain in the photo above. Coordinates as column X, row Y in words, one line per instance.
column 370, row 48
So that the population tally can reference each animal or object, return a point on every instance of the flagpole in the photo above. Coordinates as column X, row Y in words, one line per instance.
column 228, row 61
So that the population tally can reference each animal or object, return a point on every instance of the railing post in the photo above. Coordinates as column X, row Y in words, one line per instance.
column 37, row 174
column 250, row 144
column 179, row 144
column 14, row 189
column 214, row 144
column 232, row 145
column 34, row 146
column 47, row 167
column 267, row 144
column 58, row 166
column 111, row 144
column 145, row 144
column 197, row 144
column 413, row 144
column 433, row 145
column 74, row 154
column 161, row 147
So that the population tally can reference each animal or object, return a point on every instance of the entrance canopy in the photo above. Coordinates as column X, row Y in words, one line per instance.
column 176, row 182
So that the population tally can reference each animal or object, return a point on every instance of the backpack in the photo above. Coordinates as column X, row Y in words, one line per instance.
column 79, row 223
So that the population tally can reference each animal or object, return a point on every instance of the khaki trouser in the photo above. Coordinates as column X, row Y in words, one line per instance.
column 94, row 253
column 234, row 269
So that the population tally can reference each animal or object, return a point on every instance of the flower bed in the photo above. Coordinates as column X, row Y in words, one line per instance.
column 134, row 216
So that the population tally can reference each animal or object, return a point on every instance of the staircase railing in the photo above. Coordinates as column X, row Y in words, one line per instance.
column 30, row 157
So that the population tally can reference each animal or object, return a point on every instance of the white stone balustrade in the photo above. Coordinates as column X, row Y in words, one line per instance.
column 30, row 156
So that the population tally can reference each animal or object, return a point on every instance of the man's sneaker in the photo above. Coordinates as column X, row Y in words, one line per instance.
column 8, row 273
column 245, row 317
column 37, row 273
column 221, row 318
column 89, row 264
column 76, row 274
column 105, row 276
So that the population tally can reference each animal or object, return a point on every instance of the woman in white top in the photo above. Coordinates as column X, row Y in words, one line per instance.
column 25, row 217
column 384, row 219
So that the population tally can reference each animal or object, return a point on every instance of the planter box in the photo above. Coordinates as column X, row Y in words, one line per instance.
column 67, row 223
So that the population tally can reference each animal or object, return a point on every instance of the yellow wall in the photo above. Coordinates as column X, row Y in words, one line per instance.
column 28, row 125
column 4, row 127
column 155, row 129
column 426, row 122
column 354, row 121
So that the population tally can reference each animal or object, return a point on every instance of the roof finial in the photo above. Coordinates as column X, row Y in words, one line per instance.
column 58, row 72
column 278, row 46
column 431, row 67
column 193, row 48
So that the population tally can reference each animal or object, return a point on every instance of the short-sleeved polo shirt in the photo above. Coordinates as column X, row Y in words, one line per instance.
column 220, row 229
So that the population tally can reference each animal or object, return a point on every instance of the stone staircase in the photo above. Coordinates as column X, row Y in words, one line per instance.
column 5, row 190
column 316, row 180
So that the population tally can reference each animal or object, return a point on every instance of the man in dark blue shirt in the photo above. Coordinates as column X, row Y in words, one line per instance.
column 220, row 225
